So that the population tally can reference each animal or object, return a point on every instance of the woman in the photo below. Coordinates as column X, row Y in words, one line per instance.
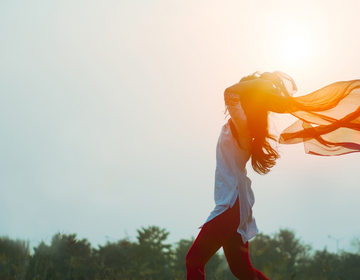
column 245, row 135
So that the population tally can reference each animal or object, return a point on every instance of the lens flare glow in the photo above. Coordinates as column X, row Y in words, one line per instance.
column 295, row 49
column 294, row 42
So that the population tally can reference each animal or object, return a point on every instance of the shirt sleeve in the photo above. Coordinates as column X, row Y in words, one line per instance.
column 233, row 105
column 237, row 114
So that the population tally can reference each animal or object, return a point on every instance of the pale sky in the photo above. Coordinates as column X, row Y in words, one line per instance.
column 110, row 113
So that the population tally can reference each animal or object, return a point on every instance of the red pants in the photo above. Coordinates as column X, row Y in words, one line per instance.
column 222, row 231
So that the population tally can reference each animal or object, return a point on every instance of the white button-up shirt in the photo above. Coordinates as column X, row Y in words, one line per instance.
column 231, row 181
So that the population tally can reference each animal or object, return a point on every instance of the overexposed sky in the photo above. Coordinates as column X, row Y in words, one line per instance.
column 110, row 113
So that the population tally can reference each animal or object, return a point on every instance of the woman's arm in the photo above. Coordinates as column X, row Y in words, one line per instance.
column 252, row 86
column 238, row 117
column 232, row 98
column 233, row 106
column 232, row 95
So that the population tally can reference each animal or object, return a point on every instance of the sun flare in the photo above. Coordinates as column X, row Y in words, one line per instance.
column 295, row 49
column 294, row 42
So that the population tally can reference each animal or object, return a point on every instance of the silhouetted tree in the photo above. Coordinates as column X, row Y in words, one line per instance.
column 350, row 269
column 153, row 255
column 117, row 257
column 329, row 266
column 355, row 243
column 66, row 257
column 14, row 258
column 280, row 257
column 181, row 249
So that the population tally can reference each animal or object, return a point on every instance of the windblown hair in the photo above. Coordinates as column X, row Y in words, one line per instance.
column 257, row 109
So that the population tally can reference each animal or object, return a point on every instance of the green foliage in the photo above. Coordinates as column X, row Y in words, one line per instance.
column 281, row 257
column 329, row 266
column 355, row 243
column 14, row 258
column 181, row 249
column 116, row 257
column 66, row 258
column 153, row 255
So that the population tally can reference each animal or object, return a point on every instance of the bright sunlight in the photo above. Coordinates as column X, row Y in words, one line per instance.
column 295, row 42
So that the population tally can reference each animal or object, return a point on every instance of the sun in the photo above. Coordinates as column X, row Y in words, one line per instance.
column 294, row 42
column 295, row 48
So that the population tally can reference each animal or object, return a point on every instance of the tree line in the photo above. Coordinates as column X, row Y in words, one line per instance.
column 281, row 256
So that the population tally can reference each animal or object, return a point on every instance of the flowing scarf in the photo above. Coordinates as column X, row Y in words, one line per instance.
column 328, row 119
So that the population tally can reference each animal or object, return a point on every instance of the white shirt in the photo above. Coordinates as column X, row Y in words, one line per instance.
column 231, row 181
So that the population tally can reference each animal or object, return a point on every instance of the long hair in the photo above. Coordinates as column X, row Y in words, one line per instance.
column 257, row 109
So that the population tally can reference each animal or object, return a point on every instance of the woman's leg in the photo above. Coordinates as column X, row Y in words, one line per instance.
column 211, row 237
column 237, row 256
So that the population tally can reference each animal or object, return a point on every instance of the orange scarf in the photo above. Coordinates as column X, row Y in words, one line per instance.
column 329, row 119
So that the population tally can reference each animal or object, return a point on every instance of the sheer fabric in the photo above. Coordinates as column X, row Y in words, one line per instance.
column 328, row 119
